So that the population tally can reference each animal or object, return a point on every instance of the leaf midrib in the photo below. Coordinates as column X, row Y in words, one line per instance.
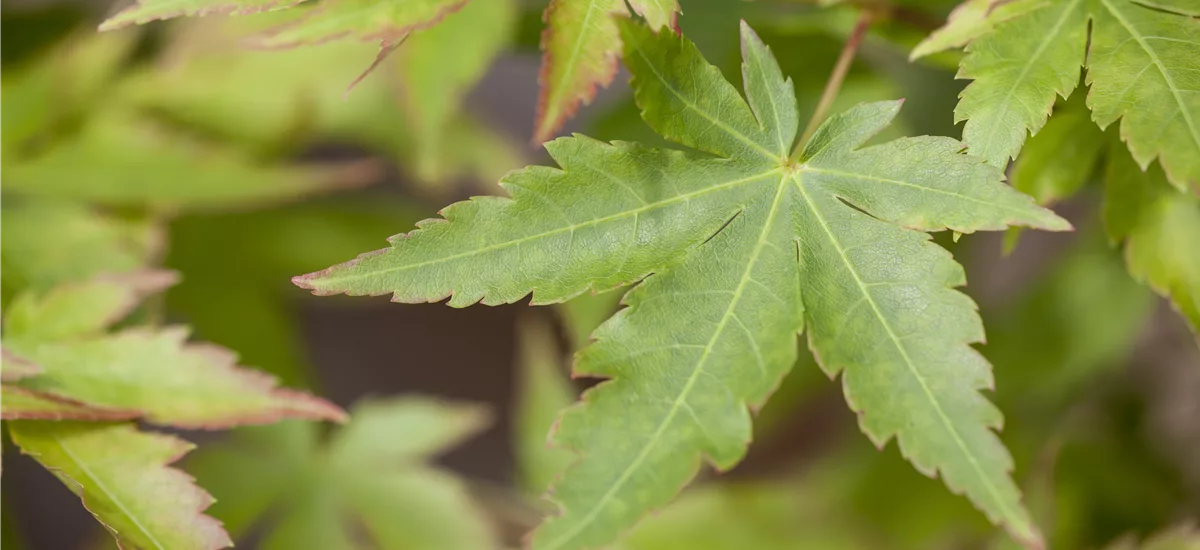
column 1007, row 511
column 680, row 400
column 107, row 493
column 1141, row 40
column 570, row 228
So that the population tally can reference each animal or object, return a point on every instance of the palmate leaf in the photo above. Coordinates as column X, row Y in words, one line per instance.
column 746, row 246
column 580, row 45
column 122, row 477
column 1138, row 63
column 153, row 372
column 372, row 478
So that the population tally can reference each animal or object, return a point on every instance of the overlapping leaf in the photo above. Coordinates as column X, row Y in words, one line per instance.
column 371, row 478
column 1139, row 65
column 543, row 391
column 580, row 45
column 122, row 476
column 1159, row 226
column 1057, row 161
column 153, row 372
column 746, row 245
column 437, row 69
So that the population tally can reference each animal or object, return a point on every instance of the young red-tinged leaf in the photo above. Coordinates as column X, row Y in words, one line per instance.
column 1160, row 227
column 145, row 11
column 143, row 369
column 386, row 21
column 173, row 382
column 17, row 403
column 580, row 46
column 123, row 478
column 371, row 481
column 746, row 246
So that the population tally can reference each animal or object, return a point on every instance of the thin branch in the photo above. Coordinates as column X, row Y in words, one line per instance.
column 836, row 78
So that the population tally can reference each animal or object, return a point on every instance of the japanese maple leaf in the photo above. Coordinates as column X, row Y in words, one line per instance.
column 739, row 246
column 1140, row 61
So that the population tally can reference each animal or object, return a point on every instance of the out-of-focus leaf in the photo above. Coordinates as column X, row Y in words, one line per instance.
column 1183, row 537
column 59, row 86
column 372, row 478
column 543, row 391
column 1059, row 335
column 145, row 11
column 1160, row 227
column 48, row 242
column 17, row 403
column 120, row 160
column 13, row 367
column 206, row 80
column 386, row 21
column 1059, row 159
column 254, row 469
column 122, row 476
column 764, row 516
column 440, row 65
column 583, row 313
column 152, row 371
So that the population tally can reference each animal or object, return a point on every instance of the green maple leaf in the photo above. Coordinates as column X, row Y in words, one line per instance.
column 153, row 373
column 580, row 45
column 746, row 245
column 121, row 475
column 1159, row 226
column 371, row 477
column 1139, row 65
